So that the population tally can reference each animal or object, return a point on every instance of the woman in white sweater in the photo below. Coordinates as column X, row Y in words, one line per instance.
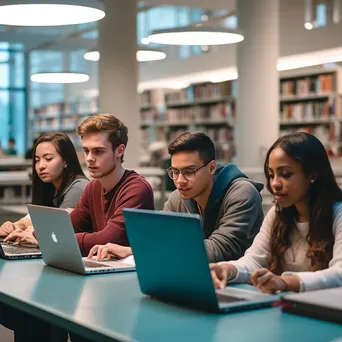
column 299, row 246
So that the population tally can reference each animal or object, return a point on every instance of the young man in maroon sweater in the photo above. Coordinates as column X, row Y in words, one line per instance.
column 98, row 217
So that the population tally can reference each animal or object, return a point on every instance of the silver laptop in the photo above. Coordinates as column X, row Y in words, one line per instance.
column 59, row 247
column 172, row 263
column 323, row 304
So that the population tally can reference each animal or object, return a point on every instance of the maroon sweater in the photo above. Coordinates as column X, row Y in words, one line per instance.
column 98, row 217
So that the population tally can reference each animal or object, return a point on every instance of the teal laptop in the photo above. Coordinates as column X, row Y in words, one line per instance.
column 172, row 263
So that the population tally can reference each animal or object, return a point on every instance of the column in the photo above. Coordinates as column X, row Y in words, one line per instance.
column 257, row 115
column 118, row 70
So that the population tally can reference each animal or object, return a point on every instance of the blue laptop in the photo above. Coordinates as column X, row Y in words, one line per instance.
column 172, row 263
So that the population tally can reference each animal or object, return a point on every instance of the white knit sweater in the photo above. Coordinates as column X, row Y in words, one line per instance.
column 296, row 262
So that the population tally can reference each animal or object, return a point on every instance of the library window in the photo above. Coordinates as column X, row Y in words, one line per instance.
column 173, row 17
column 231, row 22
column 321, row 15
column 12, row 96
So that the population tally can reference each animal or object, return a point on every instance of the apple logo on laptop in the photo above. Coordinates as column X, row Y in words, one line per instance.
column 54, row 237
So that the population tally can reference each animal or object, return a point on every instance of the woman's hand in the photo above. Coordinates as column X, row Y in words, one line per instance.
column 109, row 251
column 268, row 282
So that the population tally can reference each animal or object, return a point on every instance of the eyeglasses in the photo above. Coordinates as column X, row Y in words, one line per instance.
column 186, row 173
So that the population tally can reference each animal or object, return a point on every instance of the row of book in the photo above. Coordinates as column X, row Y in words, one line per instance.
column 308, row 85
column 307, row 111
column 222, row 136
column 203, row 91
column 225, row 153
column 161, row 134
column 327, row 134
column 68, row 108
column 46, row 124
column 152, row 115
column 213, row 113
column 219, row 136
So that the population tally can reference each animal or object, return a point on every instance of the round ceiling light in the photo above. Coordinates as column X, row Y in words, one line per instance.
column 148, row 55
column 143, row 55
column 59, row 77
column 53, row 13
column 198, row 35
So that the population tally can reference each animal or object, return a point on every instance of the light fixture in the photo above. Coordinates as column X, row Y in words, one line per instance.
column 147, row 55
column 197, row 35
column 50, row 13
column 308, row 15
column 308, row 25
column 145, row 41
column 92, row 56
column 144, row 54
column 59, row 77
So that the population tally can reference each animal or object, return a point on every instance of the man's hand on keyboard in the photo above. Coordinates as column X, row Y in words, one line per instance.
column 109, row 251
column 23, row 237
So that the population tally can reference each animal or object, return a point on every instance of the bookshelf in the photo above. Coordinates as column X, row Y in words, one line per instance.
column 309, row 101
column 62, row 117
column 208, row 107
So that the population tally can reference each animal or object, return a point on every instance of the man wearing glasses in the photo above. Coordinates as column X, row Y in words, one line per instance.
column 229, row 203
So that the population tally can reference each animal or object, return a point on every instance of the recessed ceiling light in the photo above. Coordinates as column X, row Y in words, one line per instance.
column 198, row 35
column 59, row 77
column 143, row 55
column 50, row 13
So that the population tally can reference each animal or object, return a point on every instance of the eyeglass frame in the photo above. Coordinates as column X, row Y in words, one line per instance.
column 181, row 172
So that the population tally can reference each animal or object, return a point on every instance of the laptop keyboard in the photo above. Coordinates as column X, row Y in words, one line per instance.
column 91, row 264
column 224, row 299
column 16, row 249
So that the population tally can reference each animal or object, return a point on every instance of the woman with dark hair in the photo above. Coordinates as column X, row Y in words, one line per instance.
column 57, row 179
column 299, row 246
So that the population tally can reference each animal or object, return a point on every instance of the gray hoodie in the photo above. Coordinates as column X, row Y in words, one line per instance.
column 232, row 216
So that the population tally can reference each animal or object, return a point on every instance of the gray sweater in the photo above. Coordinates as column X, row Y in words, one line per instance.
column 71, row 195
column 232, row 216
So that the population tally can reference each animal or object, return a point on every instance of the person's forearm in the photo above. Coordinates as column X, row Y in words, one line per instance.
column 23, row 223
column 292, row 283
